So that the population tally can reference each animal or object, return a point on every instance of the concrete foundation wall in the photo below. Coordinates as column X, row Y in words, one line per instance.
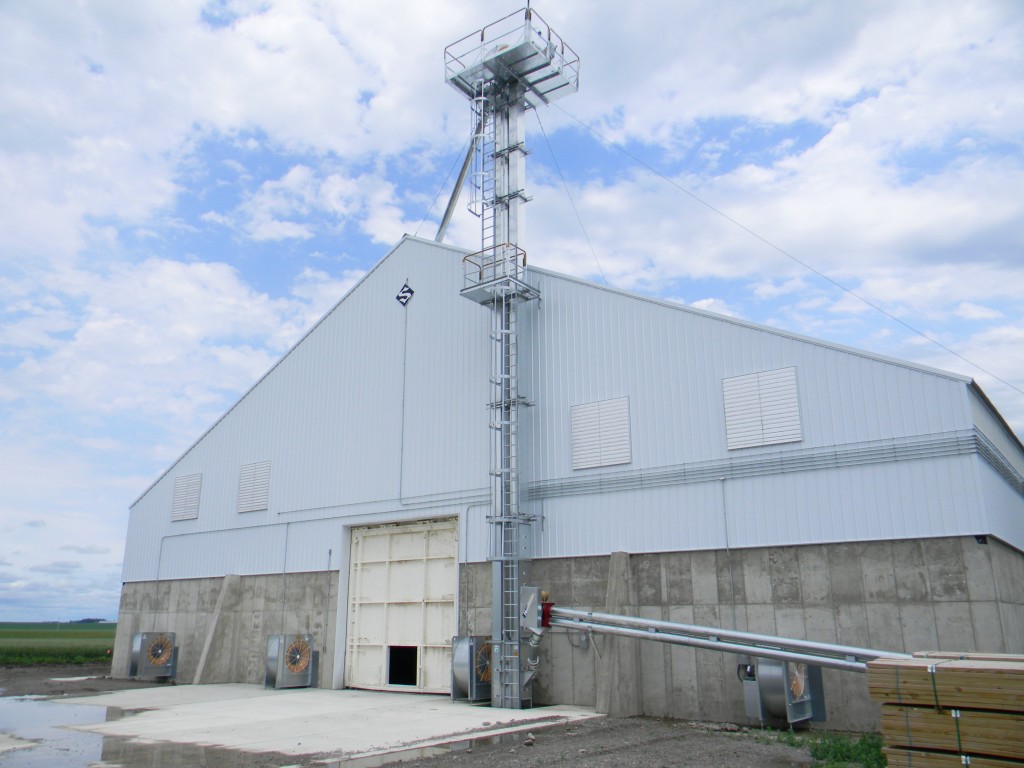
column 951, row 594
column 221, row 624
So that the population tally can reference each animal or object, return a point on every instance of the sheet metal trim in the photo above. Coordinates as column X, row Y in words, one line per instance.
column 959, row 443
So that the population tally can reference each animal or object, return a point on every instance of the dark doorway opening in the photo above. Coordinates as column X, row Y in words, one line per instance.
column 402, row 664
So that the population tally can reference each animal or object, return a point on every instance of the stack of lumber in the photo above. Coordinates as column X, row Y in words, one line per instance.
column 950, row 709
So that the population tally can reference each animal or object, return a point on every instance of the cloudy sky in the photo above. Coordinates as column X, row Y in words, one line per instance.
column 185, row 187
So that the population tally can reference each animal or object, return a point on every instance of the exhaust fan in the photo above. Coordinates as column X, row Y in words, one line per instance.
column 291, row 661
column 783, row 691
column 471, row 668
column 153, row 655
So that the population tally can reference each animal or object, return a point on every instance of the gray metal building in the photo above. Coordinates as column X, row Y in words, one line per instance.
column 760, row 480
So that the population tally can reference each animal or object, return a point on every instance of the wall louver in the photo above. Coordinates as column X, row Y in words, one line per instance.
column 762, row 409
column 254, row 487
column 185, row 505
column 600, row 434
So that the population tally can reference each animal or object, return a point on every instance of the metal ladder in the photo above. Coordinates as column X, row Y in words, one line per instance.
column 500, row 265
column 506, row 520
column 481, row 188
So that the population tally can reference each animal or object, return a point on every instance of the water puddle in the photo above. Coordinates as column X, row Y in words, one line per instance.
column 35, row 733
column 42, row 741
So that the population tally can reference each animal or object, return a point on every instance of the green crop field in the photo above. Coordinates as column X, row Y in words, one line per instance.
column 53, row 643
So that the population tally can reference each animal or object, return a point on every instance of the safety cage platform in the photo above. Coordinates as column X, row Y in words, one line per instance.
column 520, row 47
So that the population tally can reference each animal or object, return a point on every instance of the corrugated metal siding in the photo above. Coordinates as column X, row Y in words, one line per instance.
column 589, row 344
column 382, row 406
column 313, row 545
column 646, row 520
column 883, row 501
column 877, row 502
column 989, row 425
column 1004, row 507
column 380, row 414
column 474, row 538
column 214, row 553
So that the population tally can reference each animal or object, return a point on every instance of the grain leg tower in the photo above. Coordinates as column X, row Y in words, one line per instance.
column 516, row 62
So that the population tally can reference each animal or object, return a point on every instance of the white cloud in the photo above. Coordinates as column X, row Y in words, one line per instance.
column 771, row 289
column 319, row 291
column 173, row 174
column 291, row 195
column 166, row 341
column 91, row 549
column 716, row 305
column 57, row 567
column 971, row 311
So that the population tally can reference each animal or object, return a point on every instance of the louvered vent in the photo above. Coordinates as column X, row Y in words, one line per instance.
column 254, row 487
column 600, row 434
column 186, row 497
column 762, row 409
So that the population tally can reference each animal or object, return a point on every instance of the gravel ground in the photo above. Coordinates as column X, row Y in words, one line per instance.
column 596, row 743
column 632, row 742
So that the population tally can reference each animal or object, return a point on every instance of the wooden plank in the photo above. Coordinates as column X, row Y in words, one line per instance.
column 913, row 758
column 974, row 655
column 995, row 734
column 948, row 683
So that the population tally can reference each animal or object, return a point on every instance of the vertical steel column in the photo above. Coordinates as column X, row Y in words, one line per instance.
column 507, row 536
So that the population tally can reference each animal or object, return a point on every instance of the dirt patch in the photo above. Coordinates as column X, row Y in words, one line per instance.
column 64, row 680
column 632, row 742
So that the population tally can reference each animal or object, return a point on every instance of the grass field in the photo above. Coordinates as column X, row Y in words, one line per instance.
column 52, row 643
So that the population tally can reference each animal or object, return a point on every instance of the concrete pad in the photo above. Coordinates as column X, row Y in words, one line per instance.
column 306, row 721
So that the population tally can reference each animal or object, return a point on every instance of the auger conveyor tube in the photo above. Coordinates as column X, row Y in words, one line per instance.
column 848, row 658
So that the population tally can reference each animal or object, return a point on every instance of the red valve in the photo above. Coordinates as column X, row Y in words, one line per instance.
column 545, row 614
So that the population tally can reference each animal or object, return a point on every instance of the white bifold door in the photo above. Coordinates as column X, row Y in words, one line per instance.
column 401, row 613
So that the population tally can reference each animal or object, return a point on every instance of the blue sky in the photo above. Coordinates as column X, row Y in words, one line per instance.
column 186, row 187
